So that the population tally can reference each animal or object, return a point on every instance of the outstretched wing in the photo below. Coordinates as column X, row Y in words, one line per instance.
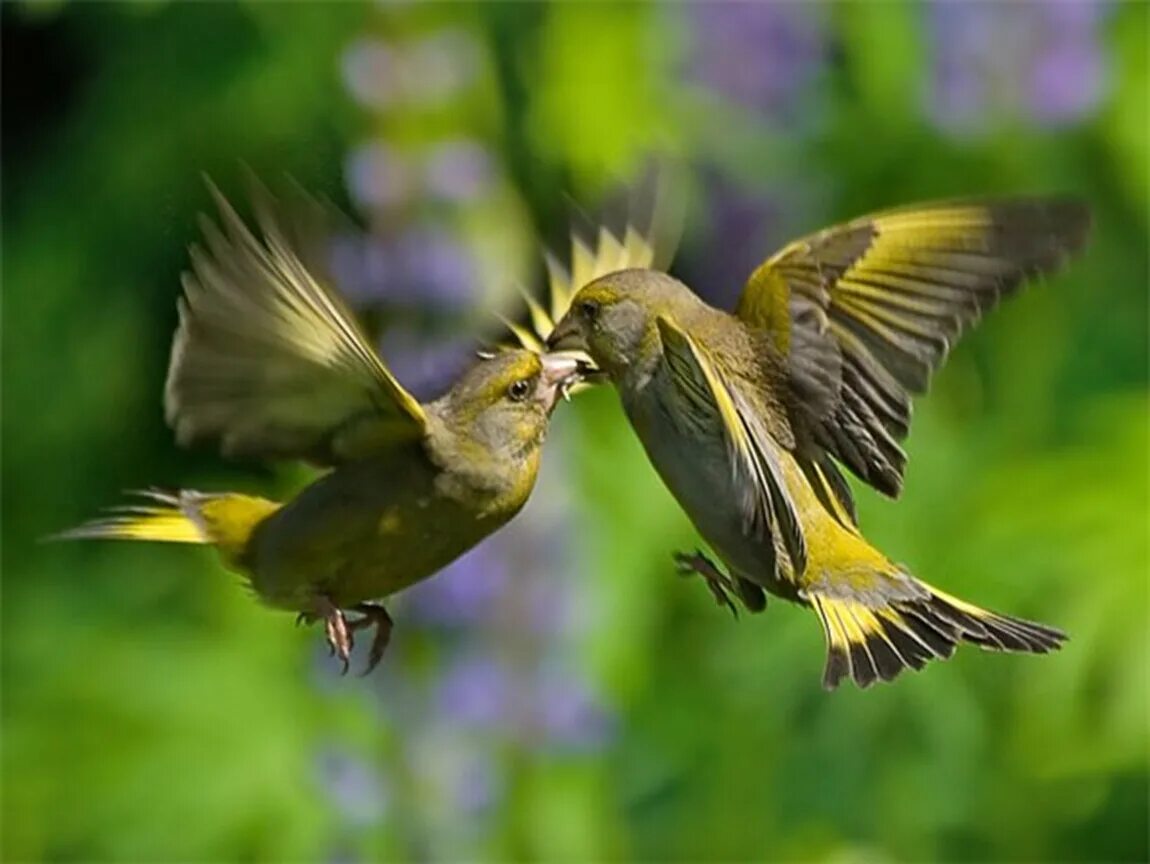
column 711, row 401
column 268, row 360
column 865, row 312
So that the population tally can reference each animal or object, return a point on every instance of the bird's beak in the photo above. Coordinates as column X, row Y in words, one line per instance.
column 560, row 373
column 566, row 336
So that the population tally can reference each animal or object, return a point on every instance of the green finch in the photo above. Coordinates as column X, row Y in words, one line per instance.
column 747, row 416
column 268, row 362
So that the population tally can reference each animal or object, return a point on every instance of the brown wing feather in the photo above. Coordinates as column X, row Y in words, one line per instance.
column 884, row 298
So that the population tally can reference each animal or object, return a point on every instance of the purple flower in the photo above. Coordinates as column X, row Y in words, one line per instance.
column 459, row 171
column 476, row 692
column 437, row 269
column 567, row 713
column 741, row 224
column 992, row 60
column 465, row 591
column 363, row 268
column 370, row 72
column 757, row 54
column 426, row 364
column 440, row 66
column 378, row 177
column 423, row 268
column 358, row 791
column 1067, row 79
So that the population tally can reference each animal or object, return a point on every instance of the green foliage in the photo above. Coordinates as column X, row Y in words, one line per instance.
column 152, row 711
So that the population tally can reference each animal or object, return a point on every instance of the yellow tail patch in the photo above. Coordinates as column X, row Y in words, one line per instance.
column 225, row 520
column 871, row 636
column 165, row 520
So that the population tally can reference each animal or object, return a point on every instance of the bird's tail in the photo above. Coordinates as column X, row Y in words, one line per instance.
column 225, row 520
column 880, row 622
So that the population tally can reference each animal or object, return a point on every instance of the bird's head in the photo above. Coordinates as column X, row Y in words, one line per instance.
column 501, row 406
column 613, row 318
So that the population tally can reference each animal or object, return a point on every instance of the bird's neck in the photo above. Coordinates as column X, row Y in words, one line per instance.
column 493, row 480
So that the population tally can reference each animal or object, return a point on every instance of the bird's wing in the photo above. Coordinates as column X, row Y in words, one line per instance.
column 648, row 239
column 866, row 311
column 268, row 360
column 767, row 506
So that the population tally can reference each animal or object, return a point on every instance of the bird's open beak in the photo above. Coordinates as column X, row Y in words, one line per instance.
column 560, row 373
column 566, row 336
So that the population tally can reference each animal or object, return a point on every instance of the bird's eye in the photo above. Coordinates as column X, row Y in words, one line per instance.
column 519, row 390
column 588, row 310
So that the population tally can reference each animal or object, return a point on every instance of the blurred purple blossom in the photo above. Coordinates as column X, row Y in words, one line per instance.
column 441, row 65
column 466, row 591
column 427, row 364
column 439, row 269
column 438, row 67
column 1068, row 77
column 477, row 692
column 757, row 54
column 378, row 177
column 425, row 267
column 459, row 171
column 992, row 60
column 358, row 791
column 369, row 72
column 742, row 224
column 567, row 712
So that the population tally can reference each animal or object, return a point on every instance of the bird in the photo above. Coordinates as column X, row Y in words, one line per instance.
column 269, row 362
column 748, row 415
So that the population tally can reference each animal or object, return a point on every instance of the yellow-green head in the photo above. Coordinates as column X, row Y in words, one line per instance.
column 504, row 402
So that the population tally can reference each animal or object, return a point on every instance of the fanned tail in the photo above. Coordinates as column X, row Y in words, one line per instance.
column 167, row 519
column 225, row 520
column 897, row 622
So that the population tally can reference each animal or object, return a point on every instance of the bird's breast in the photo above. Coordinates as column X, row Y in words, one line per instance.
column 691, row 455
column 366, row 531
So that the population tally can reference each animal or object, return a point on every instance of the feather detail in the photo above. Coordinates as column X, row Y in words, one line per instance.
column 890, row 294
column 269, row 361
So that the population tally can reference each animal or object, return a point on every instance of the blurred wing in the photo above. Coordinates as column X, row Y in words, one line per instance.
column 865, row 312
column 767, row 506
column 648, row 240
column 269, row 361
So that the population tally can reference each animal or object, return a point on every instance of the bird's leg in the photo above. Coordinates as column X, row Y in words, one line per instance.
column 373, row 614
column 336, row 629
column 718, row 581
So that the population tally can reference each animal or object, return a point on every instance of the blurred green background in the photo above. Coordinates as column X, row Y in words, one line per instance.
column 560, row 694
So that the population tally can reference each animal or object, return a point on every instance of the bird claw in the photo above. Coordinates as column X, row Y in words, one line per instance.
column 374, row 615
column 717, row 581
column 339, row 631
column 338, row 635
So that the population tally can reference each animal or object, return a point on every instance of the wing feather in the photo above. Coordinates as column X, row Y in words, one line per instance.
column 268, row 361
column 891, row 294
column 767, row 506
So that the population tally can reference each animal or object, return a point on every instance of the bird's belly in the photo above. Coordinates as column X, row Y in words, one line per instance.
column 698, row 472
column 351, row 540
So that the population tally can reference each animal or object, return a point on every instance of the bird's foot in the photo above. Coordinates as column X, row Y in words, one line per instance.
column 689, row 564
column 337, row 630
column 373, row 615
column 340, row 631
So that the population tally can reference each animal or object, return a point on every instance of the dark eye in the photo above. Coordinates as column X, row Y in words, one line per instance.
column 519, row 390
column 588, row 310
